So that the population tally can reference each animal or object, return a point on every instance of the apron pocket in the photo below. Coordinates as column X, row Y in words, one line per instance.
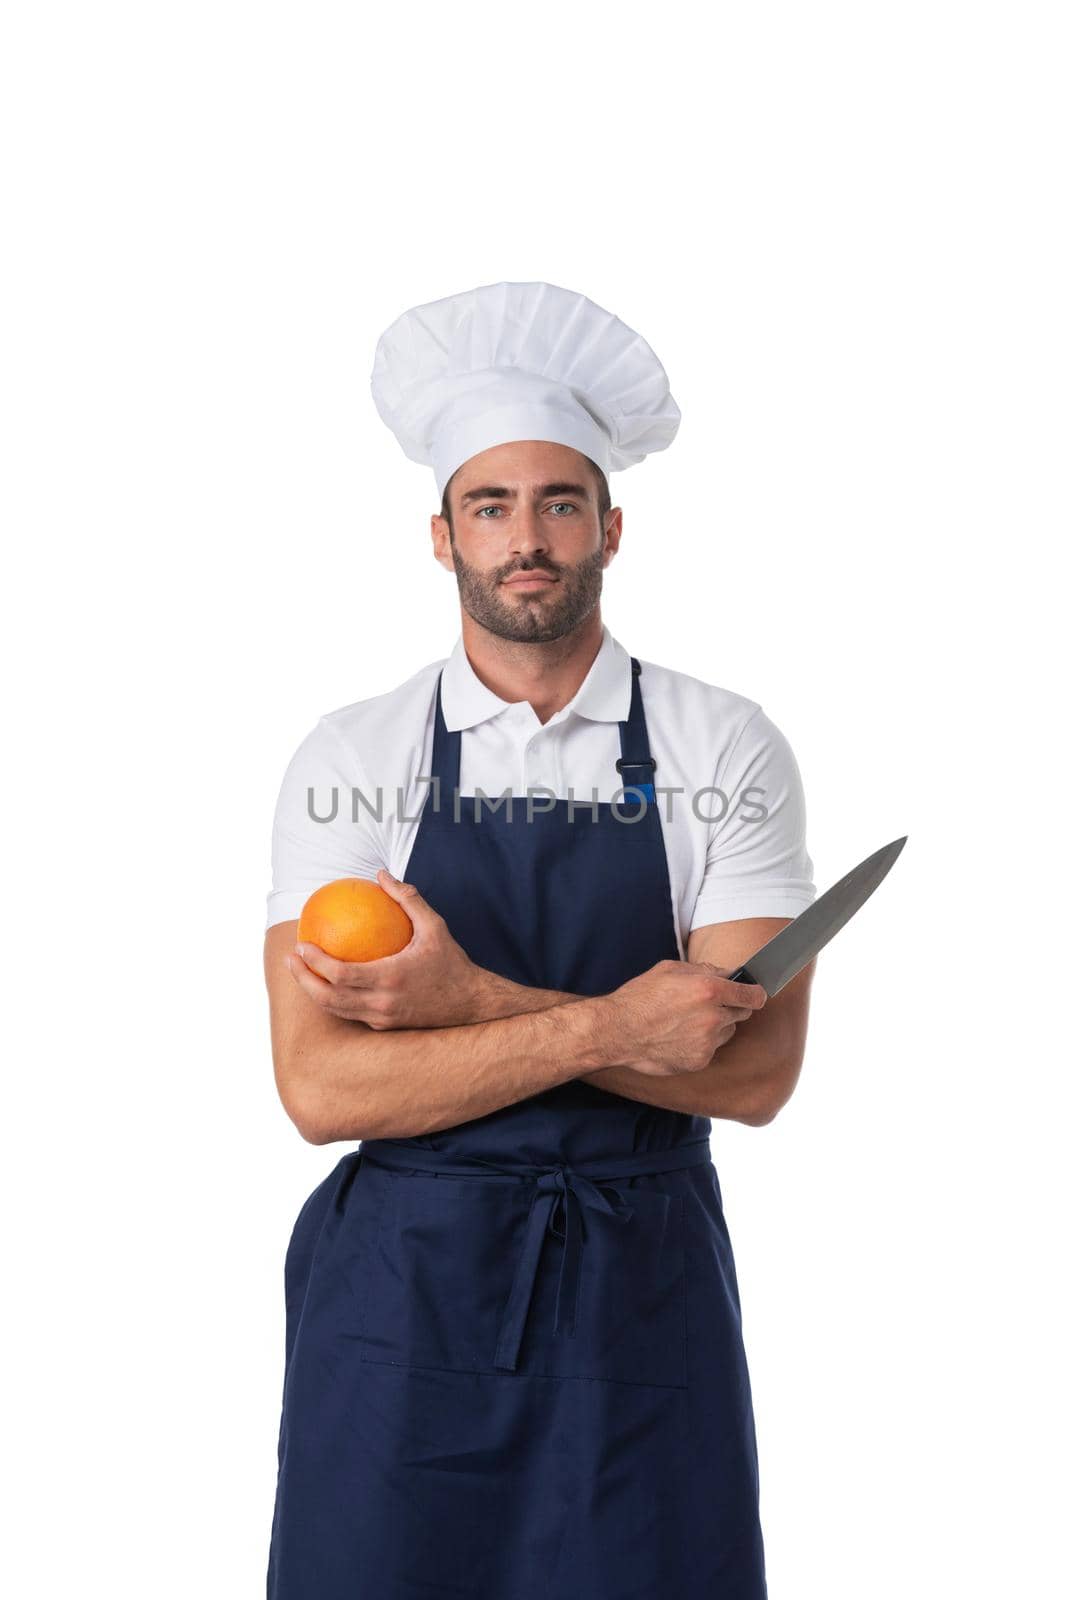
column 440, row 1272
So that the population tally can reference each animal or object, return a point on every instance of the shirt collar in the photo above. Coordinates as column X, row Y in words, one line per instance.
column 603, row 695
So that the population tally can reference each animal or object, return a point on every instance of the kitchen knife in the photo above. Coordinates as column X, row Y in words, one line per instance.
column 782, row 957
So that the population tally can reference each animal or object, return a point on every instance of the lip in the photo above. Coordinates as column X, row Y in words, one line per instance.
column 529, row 580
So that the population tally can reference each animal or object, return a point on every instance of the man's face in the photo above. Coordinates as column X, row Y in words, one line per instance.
column 519, row 508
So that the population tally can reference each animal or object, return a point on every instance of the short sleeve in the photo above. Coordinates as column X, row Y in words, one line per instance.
column 318, row 833
column 757, row 862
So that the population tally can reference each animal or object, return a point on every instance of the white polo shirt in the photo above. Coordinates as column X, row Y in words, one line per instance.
column 734, row 829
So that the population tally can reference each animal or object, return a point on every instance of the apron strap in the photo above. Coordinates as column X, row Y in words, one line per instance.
column 636, row 764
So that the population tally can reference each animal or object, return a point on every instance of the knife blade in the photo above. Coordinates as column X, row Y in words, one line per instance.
column 782, row 957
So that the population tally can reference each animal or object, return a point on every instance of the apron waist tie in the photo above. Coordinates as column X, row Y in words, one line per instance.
column 581, row 1186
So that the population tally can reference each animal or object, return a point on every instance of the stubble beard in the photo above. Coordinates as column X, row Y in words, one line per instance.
column 533, row 616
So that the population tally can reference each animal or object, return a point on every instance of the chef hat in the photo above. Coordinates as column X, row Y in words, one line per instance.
column 520, row 361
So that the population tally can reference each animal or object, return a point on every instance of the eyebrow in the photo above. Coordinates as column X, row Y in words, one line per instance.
column 494, row 491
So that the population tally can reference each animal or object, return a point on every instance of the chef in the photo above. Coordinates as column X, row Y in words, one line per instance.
column 513, row 1361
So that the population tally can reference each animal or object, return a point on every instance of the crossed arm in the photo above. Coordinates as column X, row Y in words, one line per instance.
column 463, row 1041
column 772, row 1039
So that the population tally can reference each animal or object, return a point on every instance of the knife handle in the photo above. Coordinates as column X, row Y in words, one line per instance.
column 742, row 975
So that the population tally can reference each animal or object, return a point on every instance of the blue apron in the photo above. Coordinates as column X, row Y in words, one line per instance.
column 514, row 1367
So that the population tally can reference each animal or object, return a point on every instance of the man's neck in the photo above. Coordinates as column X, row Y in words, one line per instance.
column 548, row 675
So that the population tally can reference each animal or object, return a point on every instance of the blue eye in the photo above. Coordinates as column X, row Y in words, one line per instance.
column 556, row 503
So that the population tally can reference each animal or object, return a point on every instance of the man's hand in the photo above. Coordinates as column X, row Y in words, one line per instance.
column 431, row 983
column 674, row 1017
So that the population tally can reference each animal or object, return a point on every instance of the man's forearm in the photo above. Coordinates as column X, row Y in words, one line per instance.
column 368, row 1083
column 501, row 997
column 686, row 1091
column 725, row 1087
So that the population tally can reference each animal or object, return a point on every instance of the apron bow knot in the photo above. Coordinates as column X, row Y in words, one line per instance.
column 560, row 1185
column 554, row 1188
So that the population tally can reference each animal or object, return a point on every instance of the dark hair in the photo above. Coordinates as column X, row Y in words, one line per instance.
column 603, row 497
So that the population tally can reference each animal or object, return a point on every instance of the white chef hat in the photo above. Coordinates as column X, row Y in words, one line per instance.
column 520, row 361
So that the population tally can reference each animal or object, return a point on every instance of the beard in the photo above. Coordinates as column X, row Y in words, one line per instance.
column 536, row 617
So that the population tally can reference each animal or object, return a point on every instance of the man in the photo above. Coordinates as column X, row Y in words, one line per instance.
column 514, row 1363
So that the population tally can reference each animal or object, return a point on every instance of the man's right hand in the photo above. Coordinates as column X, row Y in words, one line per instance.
column 672, row 1018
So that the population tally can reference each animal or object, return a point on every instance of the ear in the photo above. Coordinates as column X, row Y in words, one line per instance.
column 442, row 543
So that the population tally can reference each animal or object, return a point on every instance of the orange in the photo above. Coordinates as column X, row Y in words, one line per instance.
column 354, row 919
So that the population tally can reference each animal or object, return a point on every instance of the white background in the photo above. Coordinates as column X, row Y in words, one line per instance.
column 841, row 228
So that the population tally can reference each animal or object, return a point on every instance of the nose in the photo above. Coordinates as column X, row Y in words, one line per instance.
column 528, row 536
